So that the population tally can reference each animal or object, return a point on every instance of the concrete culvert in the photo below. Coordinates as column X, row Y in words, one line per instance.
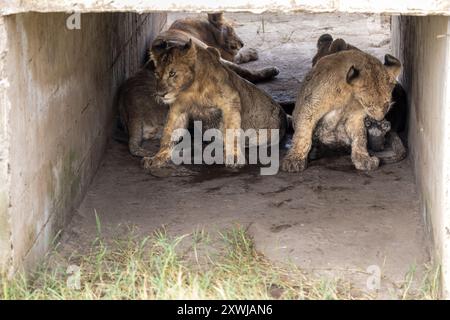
column 66, row 172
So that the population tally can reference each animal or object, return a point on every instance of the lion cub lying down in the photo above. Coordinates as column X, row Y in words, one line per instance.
column 218, row 33
column 194, row 81
column 334, row 99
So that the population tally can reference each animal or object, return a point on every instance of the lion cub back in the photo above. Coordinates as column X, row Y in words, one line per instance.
column 142, row 116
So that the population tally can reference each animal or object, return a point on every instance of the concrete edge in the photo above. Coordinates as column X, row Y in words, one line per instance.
column 445, row 254
column 410, row 7
column 6, row 248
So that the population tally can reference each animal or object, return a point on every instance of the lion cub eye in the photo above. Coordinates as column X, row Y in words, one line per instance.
column 172, row 74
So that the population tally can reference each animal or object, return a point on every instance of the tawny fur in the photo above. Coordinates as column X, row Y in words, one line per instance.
column 144, row 117
column 141, row 114
column 378, row 135
column 193, row 80
column 334, row 99
column 326, row 46
column 217, row 32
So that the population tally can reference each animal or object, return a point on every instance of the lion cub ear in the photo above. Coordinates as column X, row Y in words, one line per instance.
column 353, row 76
column 150, row 64
column 214, row 52
column 216, row 18
column 338, row 45
column 324, row 40
column 158, row 45
column 187, row 45
column 393, row 65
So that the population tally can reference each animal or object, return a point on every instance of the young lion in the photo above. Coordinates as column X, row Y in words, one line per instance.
column 333, row 101
column 193, row 80
column 379, row 133
column 218, row 33
column 142, row 115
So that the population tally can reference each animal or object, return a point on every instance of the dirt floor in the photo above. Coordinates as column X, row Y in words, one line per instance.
column 329, row 220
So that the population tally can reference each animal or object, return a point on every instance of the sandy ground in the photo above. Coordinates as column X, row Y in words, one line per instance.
column 329, row 220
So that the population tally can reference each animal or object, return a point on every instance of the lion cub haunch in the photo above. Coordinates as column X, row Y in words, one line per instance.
column 334, row 99
column 141, row 114
column 194, row 80
column 217, row 32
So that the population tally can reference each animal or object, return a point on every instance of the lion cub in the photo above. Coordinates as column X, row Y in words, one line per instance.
column 380, row 134
column 218, row 33
column 143, row 115
column 334, row 99
column 193, row 80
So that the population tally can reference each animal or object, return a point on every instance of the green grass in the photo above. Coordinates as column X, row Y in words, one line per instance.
column 164, row 267
column 429, row 285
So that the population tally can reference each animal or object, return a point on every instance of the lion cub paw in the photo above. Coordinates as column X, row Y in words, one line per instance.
column 246, row 55
column 156, row 161
column 146, row 163
column 234, row 165
column 293, row 163
column 269, row 73
column 365, row 163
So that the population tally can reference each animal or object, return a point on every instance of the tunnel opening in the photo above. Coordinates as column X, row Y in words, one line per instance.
column 66, row 170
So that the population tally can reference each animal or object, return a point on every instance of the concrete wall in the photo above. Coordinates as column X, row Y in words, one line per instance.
column 256, row 6
column 56, row 114
column 5, row 230
column 423, row 45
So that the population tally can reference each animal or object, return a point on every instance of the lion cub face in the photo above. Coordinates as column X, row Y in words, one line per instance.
column 226, row 36
column 174, row 67
column 373, row 84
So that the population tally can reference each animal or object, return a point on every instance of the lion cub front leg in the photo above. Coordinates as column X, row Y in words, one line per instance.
column 253, row 76
column 231, row 115
column 305, row 123
column 135, row 141
column 176, row 119
column 296, row 158
column 356, row 129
